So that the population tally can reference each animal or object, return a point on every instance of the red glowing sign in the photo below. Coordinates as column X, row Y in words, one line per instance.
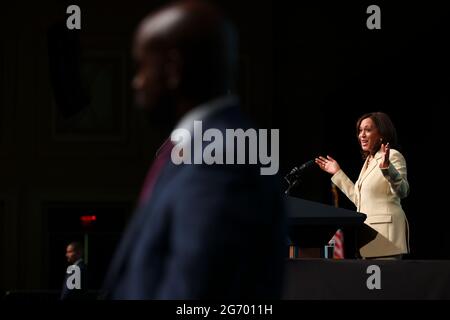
column 88, row 219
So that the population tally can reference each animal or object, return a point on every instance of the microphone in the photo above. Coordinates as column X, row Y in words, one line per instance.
column 297, row 170
column 293, row 177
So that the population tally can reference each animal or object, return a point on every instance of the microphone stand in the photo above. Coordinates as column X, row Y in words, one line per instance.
column 293, row 177
column 291, row 185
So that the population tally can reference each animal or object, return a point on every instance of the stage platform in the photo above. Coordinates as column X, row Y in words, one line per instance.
column 318, row 279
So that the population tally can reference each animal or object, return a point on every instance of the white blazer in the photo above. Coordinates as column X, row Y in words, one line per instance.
column 377, row 193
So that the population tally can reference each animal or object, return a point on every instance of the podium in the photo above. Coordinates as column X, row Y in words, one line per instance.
column 312, row 225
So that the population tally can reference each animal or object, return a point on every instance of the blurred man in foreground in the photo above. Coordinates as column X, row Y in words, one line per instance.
column 200, row 231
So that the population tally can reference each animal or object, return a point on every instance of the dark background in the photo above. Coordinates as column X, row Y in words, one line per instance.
column 309, row 70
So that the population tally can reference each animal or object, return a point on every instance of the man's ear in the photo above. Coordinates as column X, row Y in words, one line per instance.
column 173, row 69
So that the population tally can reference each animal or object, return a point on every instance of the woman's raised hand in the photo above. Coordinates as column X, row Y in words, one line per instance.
column 328, row 164
column 385, row 151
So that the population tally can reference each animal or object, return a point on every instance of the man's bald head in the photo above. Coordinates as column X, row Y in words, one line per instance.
column 74, row 252
column 190, row 48
column 181, row 22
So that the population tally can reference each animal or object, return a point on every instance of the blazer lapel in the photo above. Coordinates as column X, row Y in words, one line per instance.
column 373, row 164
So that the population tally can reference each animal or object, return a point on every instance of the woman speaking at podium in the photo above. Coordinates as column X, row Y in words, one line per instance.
column 381, row 185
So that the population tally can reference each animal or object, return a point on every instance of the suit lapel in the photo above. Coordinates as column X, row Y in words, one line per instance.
column 134, row 229
column 372, row 165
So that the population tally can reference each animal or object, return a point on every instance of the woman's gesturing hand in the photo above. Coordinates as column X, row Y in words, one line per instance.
column 328, row 164
column 385, row 150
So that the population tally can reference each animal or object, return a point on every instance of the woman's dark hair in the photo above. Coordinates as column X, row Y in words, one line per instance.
column 385, row 128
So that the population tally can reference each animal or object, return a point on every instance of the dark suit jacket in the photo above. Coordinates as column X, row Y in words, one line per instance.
column 76, row 294
column 207, row 232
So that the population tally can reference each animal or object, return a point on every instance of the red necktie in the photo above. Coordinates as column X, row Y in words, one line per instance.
column 162, row 156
